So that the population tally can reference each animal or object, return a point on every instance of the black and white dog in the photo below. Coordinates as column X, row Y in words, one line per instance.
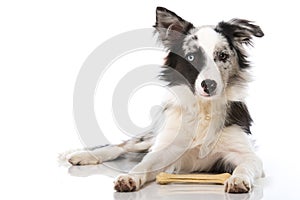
column 207, row 125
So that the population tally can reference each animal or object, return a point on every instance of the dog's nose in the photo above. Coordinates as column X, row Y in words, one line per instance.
column 209, row 86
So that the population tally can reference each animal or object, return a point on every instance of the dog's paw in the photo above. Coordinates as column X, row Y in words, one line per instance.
column 238, row 184
column 126, row 183
column 83, row 158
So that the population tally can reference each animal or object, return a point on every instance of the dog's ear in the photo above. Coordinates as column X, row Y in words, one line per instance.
column 239, row 30
column 170, row 27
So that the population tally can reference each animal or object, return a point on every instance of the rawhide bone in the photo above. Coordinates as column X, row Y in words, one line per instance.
column 165, row 178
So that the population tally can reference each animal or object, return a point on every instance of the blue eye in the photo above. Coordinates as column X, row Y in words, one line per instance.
column 190, row 57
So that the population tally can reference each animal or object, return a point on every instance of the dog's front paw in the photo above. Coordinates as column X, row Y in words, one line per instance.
column 238, row 184
column 126, row 183
column 83, row 158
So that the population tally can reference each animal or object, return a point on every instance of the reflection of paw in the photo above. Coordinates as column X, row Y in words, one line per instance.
column 83, row 158
column 238, row 184
column 126, row 183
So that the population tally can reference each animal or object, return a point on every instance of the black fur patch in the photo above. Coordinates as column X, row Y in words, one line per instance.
column 228, row 32
column 179, row 71
column 184, row 27
column 171, row 28
column 238, row 114
column 222, row 167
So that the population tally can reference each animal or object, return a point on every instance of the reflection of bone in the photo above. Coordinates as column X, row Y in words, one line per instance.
column 165, row 178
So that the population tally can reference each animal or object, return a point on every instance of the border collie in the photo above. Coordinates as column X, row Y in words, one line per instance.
column 207, row 127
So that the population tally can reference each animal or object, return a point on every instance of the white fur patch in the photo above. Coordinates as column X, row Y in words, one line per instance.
column 190, row 118
column 208, row 39
column 180, row 95
column 212, row 72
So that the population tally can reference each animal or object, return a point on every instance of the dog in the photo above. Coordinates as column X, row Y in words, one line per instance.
column 207, row 127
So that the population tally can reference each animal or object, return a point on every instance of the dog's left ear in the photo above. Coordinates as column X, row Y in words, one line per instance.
column 239, row 30
column 170, row 27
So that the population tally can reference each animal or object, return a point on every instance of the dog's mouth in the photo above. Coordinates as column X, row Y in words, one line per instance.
column 207, row 95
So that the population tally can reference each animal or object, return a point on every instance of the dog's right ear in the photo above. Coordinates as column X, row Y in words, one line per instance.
column 170, row 27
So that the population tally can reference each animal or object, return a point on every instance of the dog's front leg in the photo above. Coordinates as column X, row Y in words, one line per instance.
column 171, row 142
column 248, row 169
column 151, row 165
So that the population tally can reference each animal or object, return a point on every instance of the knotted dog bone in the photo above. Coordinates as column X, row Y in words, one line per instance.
column 165, row 178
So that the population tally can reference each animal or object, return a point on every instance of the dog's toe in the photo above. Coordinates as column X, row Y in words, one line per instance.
column 125, row 183
column 238, row 184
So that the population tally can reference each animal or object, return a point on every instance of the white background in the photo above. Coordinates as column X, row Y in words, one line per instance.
column 43, row 45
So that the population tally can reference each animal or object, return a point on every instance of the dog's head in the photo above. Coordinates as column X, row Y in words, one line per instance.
column 209, row 59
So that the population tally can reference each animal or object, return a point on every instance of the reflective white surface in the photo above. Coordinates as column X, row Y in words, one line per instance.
column 278, row 184
column 166, row 192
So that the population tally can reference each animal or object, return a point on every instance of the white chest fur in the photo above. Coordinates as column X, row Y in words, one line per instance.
column 190, row 122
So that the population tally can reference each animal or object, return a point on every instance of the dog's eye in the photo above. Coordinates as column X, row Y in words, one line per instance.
column 190, row 57
column 223, row 56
